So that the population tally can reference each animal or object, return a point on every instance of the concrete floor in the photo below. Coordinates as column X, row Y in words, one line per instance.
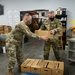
column 34, row 49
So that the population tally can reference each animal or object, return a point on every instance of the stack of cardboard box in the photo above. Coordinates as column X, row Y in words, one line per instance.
column 43, row 67
column 1, row 29
column 5, row 29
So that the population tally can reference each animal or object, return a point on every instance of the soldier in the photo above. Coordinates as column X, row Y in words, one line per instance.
column 54, row 26
column 14, row 39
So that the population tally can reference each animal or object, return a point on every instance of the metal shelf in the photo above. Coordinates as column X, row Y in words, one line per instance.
column 71, row 59
column 71, row 49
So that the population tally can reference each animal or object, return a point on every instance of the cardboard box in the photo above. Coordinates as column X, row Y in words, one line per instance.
column 58, row 12
column 41, row 67
column 1, row 28
column 44, row 33
column 35, row 67
column 46, row 68
column 1, row 32
column 26, row 66
column 6, row 30
column 58, row 68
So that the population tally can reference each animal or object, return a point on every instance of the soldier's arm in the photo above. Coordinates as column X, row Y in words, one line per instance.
column 59, row 27
column 25, row 29
column 30, row 34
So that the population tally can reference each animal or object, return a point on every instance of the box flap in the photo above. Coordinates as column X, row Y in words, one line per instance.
column 59, row 65
column 35, row 64
column 28, row 62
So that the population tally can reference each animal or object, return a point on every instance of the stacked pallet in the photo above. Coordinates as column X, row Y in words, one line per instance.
column 42, row 67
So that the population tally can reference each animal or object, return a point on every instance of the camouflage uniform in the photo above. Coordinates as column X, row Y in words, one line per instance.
column 13, row 44
column 52, row 25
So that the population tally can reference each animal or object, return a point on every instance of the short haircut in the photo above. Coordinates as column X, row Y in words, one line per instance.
column 50, row 12
column 26, row 14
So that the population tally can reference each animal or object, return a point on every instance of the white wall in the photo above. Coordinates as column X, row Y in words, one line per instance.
column 23, row 5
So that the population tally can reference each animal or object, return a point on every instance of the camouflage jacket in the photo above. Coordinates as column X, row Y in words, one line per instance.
column 19, row 32
column 52, row 25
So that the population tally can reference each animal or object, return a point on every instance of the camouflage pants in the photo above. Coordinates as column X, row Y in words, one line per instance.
column 47, row 47
column 15, row 53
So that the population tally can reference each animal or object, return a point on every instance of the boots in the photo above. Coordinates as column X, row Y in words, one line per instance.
column 10, row 72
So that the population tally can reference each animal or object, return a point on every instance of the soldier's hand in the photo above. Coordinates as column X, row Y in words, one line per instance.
column 44, row 38
column 52, row 31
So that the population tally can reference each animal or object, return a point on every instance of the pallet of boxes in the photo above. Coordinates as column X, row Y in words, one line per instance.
column 42, row 67
column 4, row 30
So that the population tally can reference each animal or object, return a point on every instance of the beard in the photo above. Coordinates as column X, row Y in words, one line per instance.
column 52, row 18
column 28, row 22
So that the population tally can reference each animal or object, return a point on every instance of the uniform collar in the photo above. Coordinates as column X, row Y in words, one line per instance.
column 50, row 20
column 23, row 22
